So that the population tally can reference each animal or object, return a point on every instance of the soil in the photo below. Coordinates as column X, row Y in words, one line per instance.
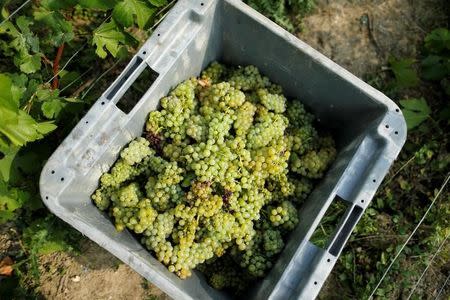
column 93, row 274
column 359, row 35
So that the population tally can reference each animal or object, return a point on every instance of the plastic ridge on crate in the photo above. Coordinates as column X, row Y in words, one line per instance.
column 368, row 127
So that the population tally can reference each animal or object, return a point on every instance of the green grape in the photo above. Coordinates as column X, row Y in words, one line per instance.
column 273, row 102
column 303, row 139
column 213, row 180
column 284, row 215
column 272, row 242
column 314, row 163
column 303, row 187
column 214, row 73
column 102, row 198
column 297, row 115
column 136, row 151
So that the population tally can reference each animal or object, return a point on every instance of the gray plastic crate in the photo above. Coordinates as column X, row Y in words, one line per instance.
column 369, row 129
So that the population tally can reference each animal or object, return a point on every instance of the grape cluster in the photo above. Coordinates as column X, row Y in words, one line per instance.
column 217, row 178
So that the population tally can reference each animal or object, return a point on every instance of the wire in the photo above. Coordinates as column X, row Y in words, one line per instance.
column 410, row 236
column 442, row 288
column 426, row 269
column 68, row 62
column 98, row 78
column 15, row 12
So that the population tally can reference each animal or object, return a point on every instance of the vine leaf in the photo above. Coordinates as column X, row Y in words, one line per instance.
column 21, row 44
column 415, row 111
column 62, row 31
column 107, row 36
column 438, row 40
column 404, row 72
column 15, row 124
column 9, row 154
column 125, row 11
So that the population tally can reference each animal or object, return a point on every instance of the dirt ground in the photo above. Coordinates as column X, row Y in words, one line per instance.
column 359, row 35
column 94, row 274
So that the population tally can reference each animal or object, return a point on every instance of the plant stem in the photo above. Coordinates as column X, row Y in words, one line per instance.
column 59, row 53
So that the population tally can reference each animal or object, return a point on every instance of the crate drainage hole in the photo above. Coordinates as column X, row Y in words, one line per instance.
column 53, row 171
column 46, row 197
column 362, row 201
column 374, row 180
column 396, row 132
column 387, row 126
column 397, row 110
column 315, row 282
column 62, row 178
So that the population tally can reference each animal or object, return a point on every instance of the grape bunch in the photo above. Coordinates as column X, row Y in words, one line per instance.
column 218, row 177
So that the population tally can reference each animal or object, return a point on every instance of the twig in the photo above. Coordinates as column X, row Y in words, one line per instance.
column 372, row 35
column 47, row 61
column 83, row 87
column 59, row 53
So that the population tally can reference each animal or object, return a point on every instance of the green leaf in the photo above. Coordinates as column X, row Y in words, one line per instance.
column 438, row 40
column 405, row 74
column 415, row 111
column 29, row 63
column 61, row 29
column 125, row 11
column 98, row 4
column 45, row 127
column 11, row 199
column 24, row 129
column 52, row 108
column 108, row 37
column 18, row 126
column 47, row 235
column 435, row 67
column 6, row 97
column 24, row 46
column 9, row 153
column 58, row 4
column 19, row 86
column 158, row 3
column 24, row 23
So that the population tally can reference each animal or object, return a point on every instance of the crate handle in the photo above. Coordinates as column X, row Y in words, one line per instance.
column 345, row 229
